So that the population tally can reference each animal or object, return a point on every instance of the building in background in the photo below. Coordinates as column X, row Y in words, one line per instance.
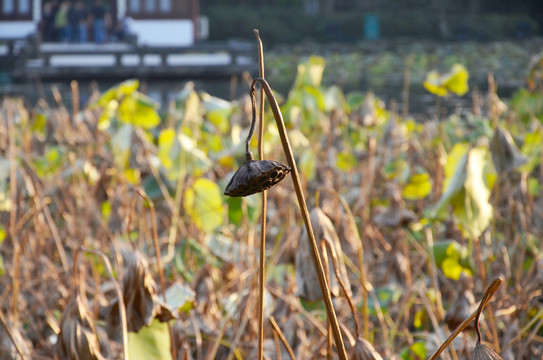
column 152, row 22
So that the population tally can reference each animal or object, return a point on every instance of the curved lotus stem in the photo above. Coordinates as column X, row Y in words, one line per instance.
column 491, row 289
column 305, row 214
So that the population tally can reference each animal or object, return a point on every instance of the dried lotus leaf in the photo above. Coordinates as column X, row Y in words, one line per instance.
column 77, row 338
column 140, row 295
column 483, row 352
column 364, row 350
column 255, row 176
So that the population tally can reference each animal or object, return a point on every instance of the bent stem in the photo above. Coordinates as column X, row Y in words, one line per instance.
column 492, row 288
column 325, row 289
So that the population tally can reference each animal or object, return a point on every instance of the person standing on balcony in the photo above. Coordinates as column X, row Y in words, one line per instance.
column 99, row 12
column 61, row 22
column 83, row 18
column 73, row 23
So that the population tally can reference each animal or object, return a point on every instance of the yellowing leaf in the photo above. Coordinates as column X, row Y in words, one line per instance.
column 307, row 164
column 432, row 84
column 127, row 87
column 38, row 125
column 166, row 140
column 453, row 158
column 108, row 113
column 418, row 187
column 220, row 118
column 133, row 176
column 452, row 258
column 478, row 210
column 2, row 233
column 467, row 192
column 455, row 81
column 345, row 161
column 310, row 72
column 106, row 209
column 226, row 161
column 150, row 343
column 121, row 142
column 178, row 154
column 203, row 203
column 116, row 92
column 139, row 110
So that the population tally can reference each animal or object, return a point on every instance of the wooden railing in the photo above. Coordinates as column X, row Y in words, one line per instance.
column 124, row 60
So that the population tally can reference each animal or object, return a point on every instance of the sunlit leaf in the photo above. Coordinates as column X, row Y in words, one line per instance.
column 452, row 258
column 127, row 87
column 466, row 192
column 532, row 148
column 454, row 157
column 220, row 118
column 534, row 187
column 121, row 143
column 139, row 110
column 310, row 72
column 417, row 351
column 180, row 296
column 335, row 100
column 396, row 169
column 345, row 161
column 51, row 161
column 150, row 343
column 307, row 164
column 478, row 208
column 5, row 197
column 179, row 156
column 166, row 150
column 418, row 187
column 105, row 209
column 213, row 142
column 226, row 161
column 133, row 176
column 109, row 111
column 203, row 203
column 39, row 122
column 455, row 81
column 418, row 319
column 433, row 84
column 116, row 92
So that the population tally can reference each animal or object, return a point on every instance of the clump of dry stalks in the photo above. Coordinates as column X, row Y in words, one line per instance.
column 54, row 301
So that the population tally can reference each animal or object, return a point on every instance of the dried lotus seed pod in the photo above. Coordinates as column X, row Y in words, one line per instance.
column 255, row 176
column 483, row 352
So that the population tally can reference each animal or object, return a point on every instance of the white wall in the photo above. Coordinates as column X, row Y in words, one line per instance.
column 163, row 32
column 16, row 29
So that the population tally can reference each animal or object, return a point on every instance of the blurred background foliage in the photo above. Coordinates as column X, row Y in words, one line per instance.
column 343, row 20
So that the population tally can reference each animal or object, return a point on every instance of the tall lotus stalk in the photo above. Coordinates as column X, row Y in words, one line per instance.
column 250, row 179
